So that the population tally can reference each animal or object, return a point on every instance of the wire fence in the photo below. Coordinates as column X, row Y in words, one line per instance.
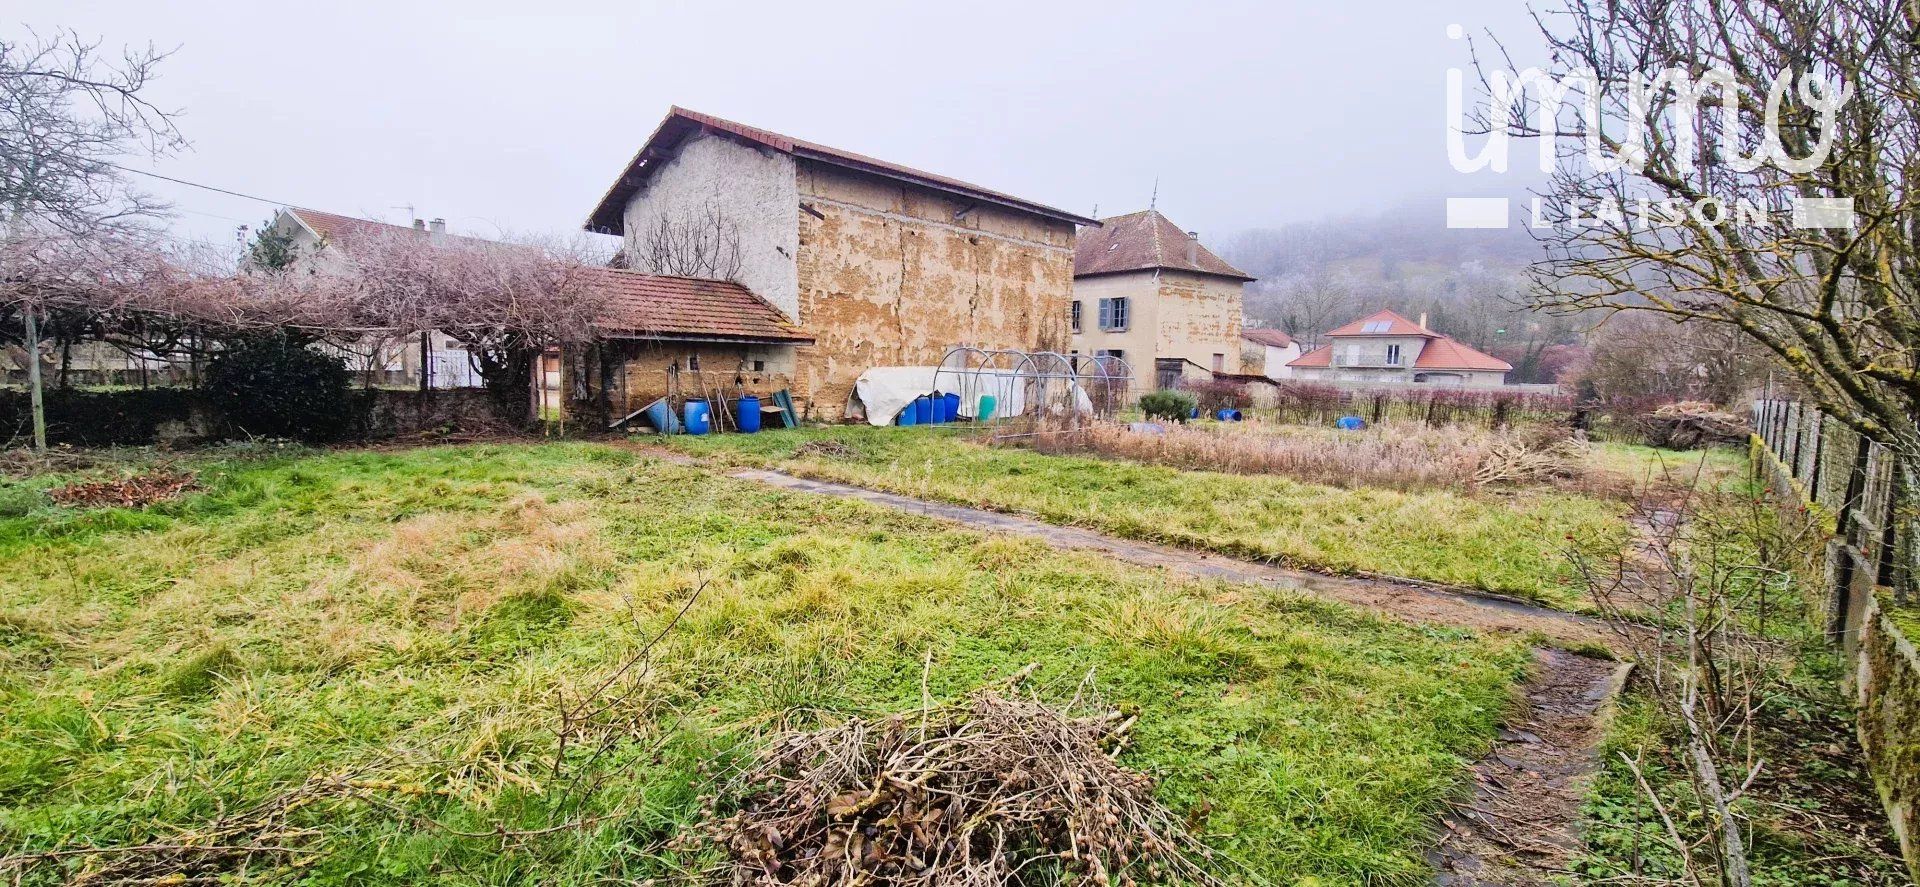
column 1850, row 478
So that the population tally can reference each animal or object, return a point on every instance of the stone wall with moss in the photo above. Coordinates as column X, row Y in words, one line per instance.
column 1887, row 679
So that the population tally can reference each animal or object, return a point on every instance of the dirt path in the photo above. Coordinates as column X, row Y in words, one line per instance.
column 1520, row 826
column 1409, row 601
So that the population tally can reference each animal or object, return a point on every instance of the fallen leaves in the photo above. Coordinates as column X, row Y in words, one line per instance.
column 133, row 491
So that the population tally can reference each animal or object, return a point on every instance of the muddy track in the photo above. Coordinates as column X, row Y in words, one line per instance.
column 1520, row 824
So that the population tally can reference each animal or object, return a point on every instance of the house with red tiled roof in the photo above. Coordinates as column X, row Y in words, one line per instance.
column 878, row 264
column 1151, row 294
column 1386, row 347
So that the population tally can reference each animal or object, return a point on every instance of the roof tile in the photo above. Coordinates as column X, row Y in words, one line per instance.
column 1143, row 241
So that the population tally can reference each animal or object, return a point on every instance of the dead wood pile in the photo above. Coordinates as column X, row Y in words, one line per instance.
column 1691, row 424
column 994, row 790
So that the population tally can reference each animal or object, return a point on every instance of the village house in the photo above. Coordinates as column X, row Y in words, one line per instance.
column 1384, row 347
column 1151, row 294
column 1266, row 352
column 857, row 262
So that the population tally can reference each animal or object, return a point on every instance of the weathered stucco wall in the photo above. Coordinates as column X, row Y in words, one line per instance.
column 1138, row 341
column 1198, row 317
column 892, row 275
column 643, row 369
column 752, row 188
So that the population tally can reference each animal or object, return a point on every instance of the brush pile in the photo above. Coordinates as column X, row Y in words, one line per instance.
column 133, row 491
column 993, row 790
column 1540, row 456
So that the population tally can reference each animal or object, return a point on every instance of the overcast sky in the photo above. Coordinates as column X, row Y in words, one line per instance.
column 516, row 116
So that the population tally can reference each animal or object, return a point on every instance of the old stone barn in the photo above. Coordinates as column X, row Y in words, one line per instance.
column 799, row 266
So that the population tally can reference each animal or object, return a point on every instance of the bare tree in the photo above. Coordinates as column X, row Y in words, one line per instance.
column 1810, row 99
column 1306, row 306
column 702, row 243
column 66, row 112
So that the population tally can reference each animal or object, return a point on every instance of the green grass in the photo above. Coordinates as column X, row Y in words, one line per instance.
column 1508, row 543
column 418, row 614
column 1811, row 815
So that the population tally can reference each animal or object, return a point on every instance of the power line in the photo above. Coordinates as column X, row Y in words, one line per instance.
column 142, row 172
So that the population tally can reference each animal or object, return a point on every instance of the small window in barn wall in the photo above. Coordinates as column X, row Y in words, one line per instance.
column 759, row 366
column 693, row 361
column 1219, row 363
column 1074, row 315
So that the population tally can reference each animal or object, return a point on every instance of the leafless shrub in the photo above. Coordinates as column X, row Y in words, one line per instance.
column 991, row 790
column 1694, row 600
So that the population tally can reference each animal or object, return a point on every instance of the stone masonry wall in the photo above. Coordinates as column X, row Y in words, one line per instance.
column 891, row 275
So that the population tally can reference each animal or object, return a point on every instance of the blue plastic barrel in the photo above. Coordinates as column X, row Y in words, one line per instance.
column 950, row 403
column 749, row 414
column 1228, row 415
column 908, row 415
column 660, row 413
column 923, row 410
column 699, row 416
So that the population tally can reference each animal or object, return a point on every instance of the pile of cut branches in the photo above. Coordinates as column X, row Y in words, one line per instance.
column 995, row 789
column 133, row 491
column 1519, row 460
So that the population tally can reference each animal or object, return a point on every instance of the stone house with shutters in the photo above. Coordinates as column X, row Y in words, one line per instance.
column 831, row 263
column 1385, row 347
column 1150, row 293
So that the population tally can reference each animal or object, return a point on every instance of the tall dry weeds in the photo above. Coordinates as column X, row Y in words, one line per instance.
column 1404, row 456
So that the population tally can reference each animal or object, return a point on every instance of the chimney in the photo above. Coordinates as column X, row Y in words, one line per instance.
column 1193, row 247
column 419, row 224
column 437, row 226
column 1423, row 320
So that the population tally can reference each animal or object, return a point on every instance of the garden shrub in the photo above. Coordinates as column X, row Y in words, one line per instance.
column 1173, row 405
column 276, row 386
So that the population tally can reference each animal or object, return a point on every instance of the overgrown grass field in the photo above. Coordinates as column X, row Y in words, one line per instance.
column 414, row 621
column 1510, row 542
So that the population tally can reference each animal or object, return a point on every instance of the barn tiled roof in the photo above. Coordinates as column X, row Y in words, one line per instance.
column 1143, row 241
column 1274, row 338
column 680, row 122
column 652, row 306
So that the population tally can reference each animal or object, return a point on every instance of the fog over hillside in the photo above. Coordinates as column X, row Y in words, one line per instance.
column 1471, row 284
